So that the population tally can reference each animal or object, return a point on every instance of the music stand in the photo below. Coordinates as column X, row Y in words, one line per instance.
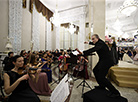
column 58, row 80
column 84, row 82
column 73, row 61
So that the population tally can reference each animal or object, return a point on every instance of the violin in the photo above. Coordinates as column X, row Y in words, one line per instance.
column 30, row 70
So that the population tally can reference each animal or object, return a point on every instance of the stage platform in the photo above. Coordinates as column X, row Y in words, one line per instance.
column 100, row 95
column 125, row 74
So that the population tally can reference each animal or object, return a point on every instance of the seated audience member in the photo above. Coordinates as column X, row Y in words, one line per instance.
column 17, row 85
column 136, row 56
column 8, row 65
column 41, row 87
column 130, row 53
column 121, row 53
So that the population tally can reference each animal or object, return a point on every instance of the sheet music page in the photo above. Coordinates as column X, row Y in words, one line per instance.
column 61, row 92
column 76, row 52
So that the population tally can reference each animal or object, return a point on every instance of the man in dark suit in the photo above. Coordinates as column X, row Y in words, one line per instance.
column 102, row 67
column 8, row 65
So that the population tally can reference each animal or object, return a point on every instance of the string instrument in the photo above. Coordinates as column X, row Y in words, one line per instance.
column 80, row 65
column 63, row 66
column 30, row 70
column 49, row 60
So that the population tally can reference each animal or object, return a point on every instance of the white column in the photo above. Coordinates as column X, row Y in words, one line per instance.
column 35, row 30
column 81, row 36
column 98, row 23
column 99, row 18
column 48, row 36
column 57, row 37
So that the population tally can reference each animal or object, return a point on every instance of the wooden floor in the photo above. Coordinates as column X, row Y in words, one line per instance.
column 125, row 74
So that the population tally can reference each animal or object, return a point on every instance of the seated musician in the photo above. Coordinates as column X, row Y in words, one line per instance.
column 41, row 87
column 63, row 66
column 67, row 54
column 79, row 68
column 17, row 85
column 44, row 59
column 56, row 55
column 49, row 59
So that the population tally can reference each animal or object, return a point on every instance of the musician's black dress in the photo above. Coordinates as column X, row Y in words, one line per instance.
column 23, row 92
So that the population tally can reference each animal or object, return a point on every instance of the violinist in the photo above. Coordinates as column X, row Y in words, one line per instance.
column 49, row 73
column 24, row 55
column 17, row 85
column 41, row 87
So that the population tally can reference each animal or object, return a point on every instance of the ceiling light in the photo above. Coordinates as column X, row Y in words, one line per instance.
column 128, row 7
column 72, row 29
column 125, row 35
column 55, row 19
column 117, row 26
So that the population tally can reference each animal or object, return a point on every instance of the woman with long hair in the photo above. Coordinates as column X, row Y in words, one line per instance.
column 44, row 59
column 41, row 87
column 17, row 85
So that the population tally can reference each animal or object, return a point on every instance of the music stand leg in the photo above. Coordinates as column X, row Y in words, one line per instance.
column 58, row 80
column 83, row 82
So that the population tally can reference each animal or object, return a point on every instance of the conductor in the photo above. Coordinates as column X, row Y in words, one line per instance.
column 102, row 67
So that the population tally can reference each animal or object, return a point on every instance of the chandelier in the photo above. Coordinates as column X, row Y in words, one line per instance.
column 117, row 25
column 128, row 7
column 55, row 19
column 71, row 28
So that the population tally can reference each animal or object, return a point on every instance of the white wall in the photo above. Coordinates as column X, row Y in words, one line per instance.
column 26, row 28
column 3, row 23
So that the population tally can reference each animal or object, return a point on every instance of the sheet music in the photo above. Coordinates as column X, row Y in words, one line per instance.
column 61, row 92
column 76, row 52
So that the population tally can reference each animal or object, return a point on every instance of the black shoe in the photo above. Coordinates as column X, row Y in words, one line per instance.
column 99, row 87
column 113, row 95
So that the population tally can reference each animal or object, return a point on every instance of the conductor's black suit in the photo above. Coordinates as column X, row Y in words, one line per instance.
column 102, row 67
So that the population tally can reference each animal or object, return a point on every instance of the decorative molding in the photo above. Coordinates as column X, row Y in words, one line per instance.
column 15, row 23
column 77, row 14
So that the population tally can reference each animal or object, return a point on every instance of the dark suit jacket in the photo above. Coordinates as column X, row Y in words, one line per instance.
column 102, row 50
